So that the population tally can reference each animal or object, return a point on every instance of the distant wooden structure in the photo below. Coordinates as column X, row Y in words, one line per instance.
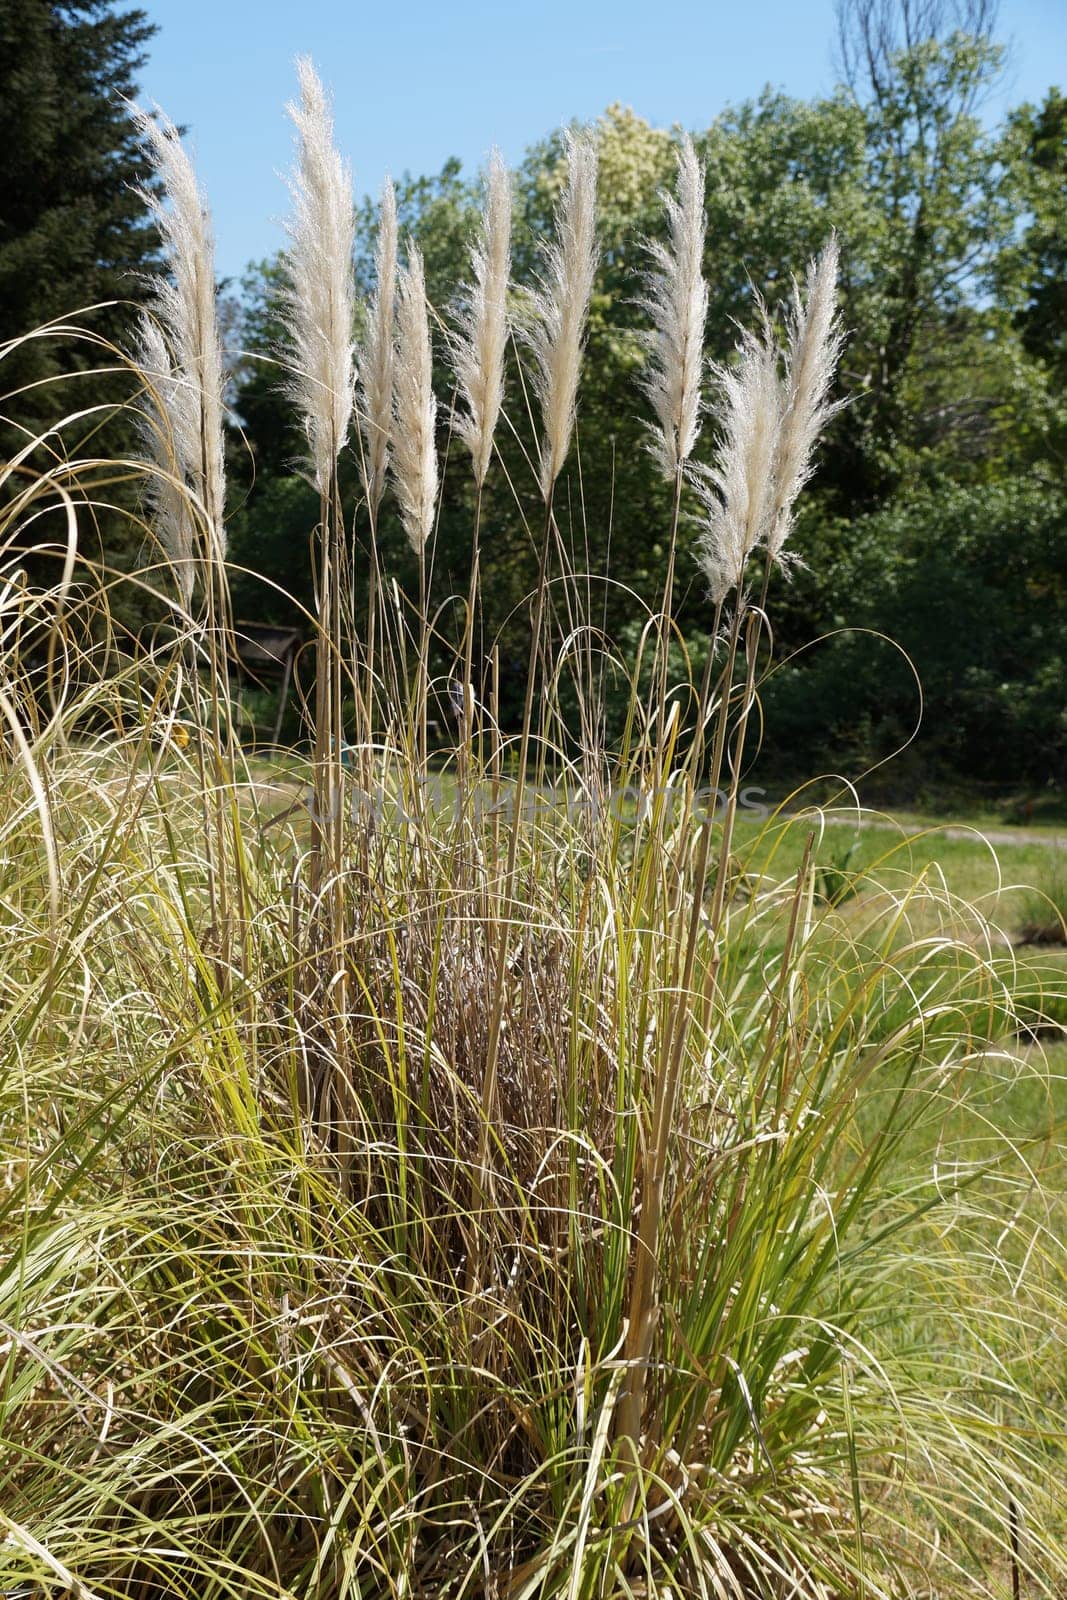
column 263, row 651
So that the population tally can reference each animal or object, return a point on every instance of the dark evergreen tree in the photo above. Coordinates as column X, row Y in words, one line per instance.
column 1043, row 316
column 73, row 232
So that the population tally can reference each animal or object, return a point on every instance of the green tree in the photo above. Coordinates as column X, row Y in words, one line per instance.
column 1032, row 272
column 970, row 586
column 73, row 232
column 1043, row 316
column 945, row 384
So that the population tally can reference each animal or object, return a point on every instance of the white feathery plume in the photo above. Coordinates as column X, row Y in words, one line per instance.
column 376, row 357
column 414, row 406
column 676, row 300
column 737, row 491
column 560, row 305
column 180, row 348
column 813, row 343
column 319, row 296
column 479, row 345
column 164, row 417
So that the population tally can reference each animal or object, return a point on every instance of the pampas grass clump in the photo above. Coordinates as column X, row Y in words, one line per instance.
column 458, row 1200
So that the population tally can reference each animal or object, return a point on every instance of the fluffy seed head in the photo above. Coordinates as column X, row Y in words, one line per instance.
column 319, row 297
column 164, row 417
column 559, row 305
column 180, row 350
column 676, row 300
column 813, row 345
column 414, row 406
column 737, row 492
column 478, row 347
column 376, row 358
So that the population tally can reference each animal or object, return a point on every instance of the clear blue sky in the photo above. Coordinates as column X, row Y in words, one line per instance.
column 416, row 83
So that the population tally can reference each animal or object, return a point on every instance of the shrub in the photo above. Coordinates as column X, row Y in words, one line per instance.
column 969, row 588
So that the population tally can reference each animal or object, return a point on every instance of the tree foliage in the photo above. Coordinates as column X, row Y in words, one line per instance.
column 73, row 233
column 952, row 248
column 967, row 589
column 954, row 266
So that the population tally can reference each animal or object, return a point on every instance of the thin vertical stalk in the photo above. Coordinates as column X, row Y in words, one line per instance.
column 422, row 677
column 752, row 637
column 470, row 700
column 660, row 701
